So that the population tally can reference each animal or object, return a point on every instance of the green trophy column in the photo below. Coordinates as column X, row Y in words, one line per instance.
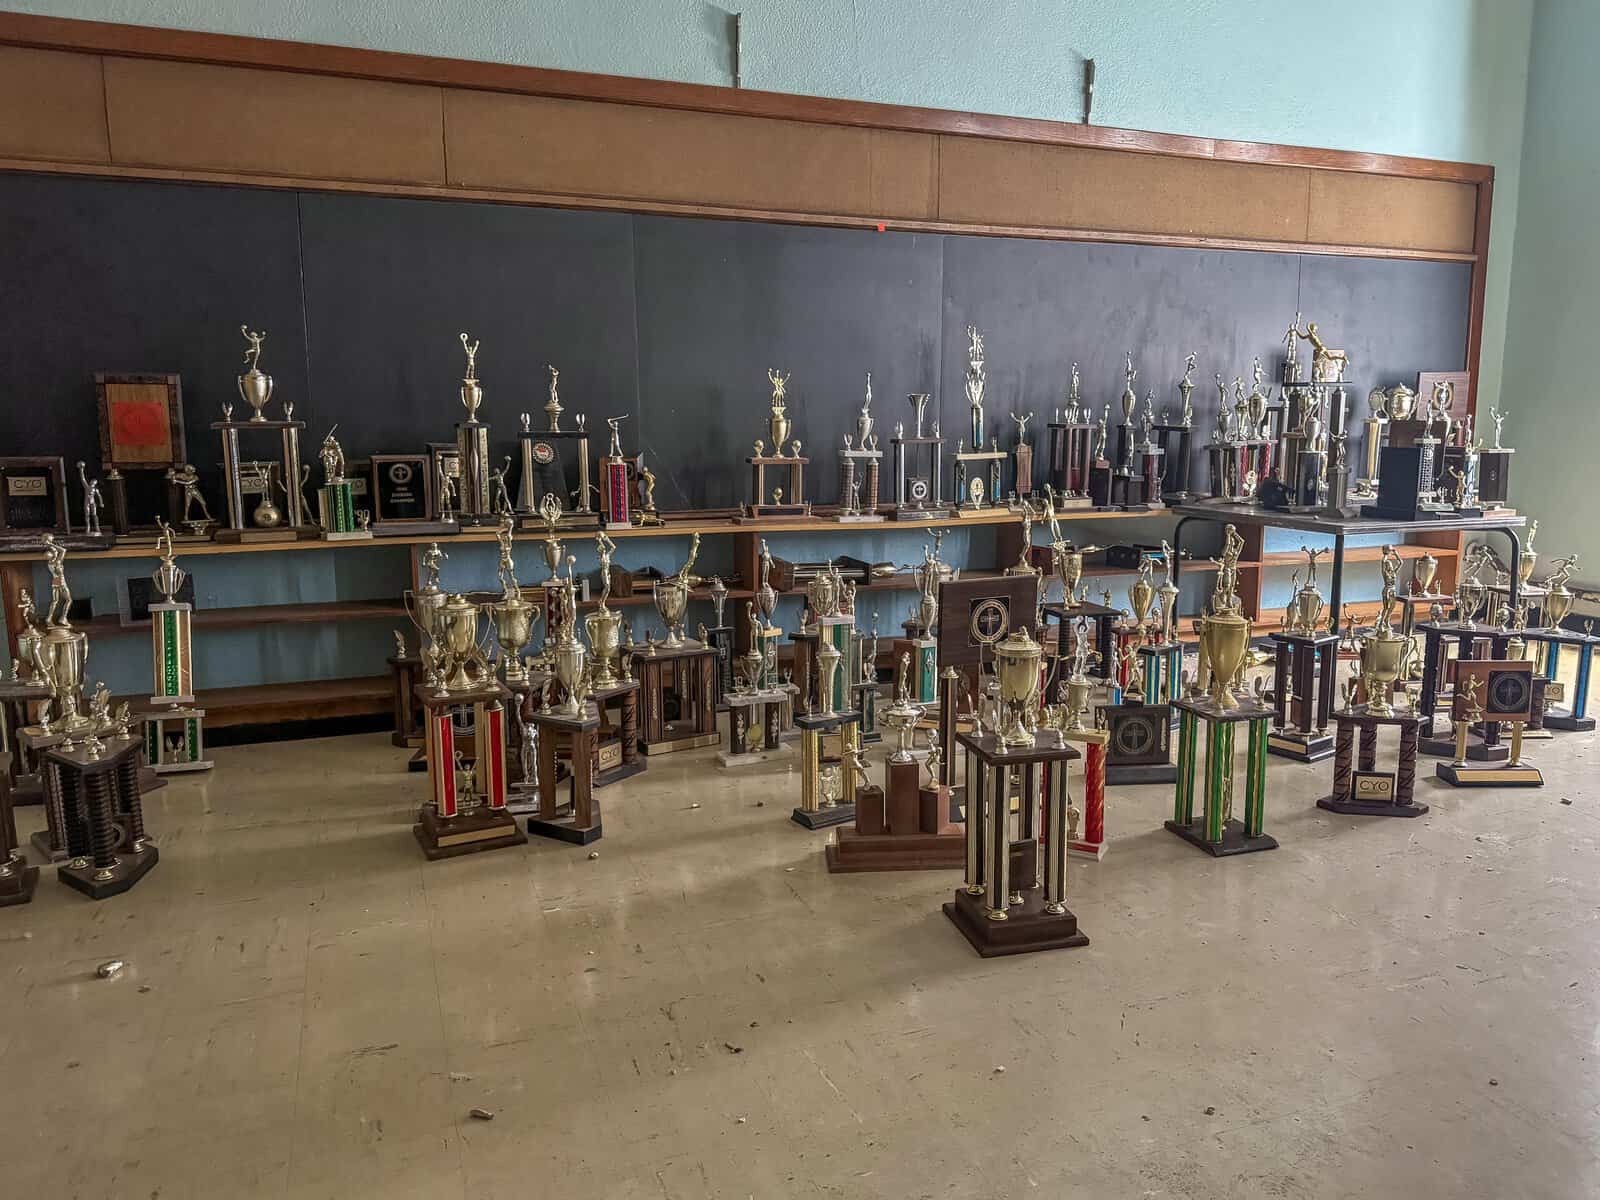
column 1255, row 794
column 1183, row 807
column 1219, row 769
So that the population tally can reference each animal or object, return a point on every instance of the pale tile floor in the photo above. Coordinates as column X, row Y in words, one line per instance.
column 703, row 1011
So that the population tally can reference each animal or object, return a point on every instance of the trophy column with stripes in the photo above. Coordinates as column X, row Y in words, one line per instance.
column 174, row 738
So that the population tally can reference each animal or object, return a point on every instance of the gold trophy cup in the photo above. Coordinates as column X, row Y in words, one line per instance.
column 1016, row 662
column 458, row 628
column 1223, row 641
column 1385, row 658
column 513, row 629
column 604, row 626
column 569, row 659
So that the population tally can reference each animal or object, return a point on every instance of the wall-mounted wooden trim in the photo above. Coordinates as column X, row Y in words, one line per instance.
column 135, row 41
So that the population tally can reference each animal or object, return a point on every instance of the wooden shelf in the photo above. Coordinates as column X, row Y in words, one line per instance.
column 248, row 616
column 272, row 703
column 1355, row 554
column 674, row 527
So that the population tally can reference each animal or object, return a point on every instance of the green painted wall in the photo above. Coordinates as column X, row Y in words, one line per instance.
column 1435, row 78
column 1555, row 289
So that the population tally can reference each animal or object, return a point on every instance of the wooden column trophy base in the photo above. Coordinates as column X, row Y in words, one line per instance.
column 688, row 672
column 578, row 822
column 817, row 809
column 1358, row 789
column 98, row 786
column 1027, row 928
column 102, row 883
column 449, row 824
column 17, row 879
column 1507, row 775
column 1213, row 831
column 907, row 829
column 17, row 883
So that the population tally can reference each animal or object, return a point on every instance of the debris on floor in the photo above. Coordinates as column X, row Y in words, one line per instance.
column 480, row 1114
column 110, row 969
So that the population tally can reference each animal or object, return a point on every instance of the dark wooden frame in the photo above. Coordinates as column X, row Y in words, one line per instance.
column 427, row 459
column 57, row 468
column 174, row 385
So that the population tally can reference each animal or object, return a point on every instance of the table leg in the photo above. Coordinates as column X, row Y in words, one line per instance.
column 1336, row 584
column 1280, row 688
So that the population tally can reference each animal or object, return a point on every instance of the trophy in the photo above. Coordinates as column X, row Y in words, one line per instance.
column 615, row 489
column 172, row 733
column 1167, row 599
column 1068, row 561
column 569, row 653
column 1385, row 654
column 671, row 598
column 474, row 505
column 974, row 385
column 902, row 716
column 1224, row 632
column 512, row 615
column 61, row 654
column 792, row 464
column 422, row 606
column 255, row 386
column 1077, row 685
column 604, row 624
column 1016, row 663
column 1142, row 593
column 1306, row 604
column 828, row 657
column 458, row 625
column 859, row 464
column 336, row 510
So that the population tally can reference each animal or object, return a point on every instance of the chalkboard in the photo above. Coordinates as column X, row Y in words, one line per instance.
column 670, row 322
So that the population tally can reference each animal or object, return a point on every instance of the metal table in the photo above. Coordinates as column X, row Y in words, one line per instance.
column 1339, row 528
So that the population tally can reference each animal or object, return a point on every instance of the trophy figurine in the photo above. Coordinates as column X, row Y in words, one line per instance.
column 552, row 406
column 778, row 421
column 255, row 387
column 1186, row 390
column 91, row 501
column 975, row 383
column 604, row 624
column 474, row 504
column 513, row 616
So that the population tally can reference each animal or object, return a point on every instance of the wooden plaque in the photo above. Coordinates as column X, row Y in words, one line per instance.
column 977, row 612
column 141, row 421
column 402, row 488
column 1460, row 388
column 1504, row 691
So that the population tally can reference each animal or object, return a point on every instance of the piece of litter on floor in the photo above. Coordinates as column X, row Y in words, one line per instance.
column 1564, row 800
column 742, row 1120
column 761, row 803
column 1494, row 1083
column 143, row 988
column 480, row 1114
column 696, row 804
column 1211, row 1110
column 732, row 1049
column 460, row 1077
column 1143, row 1117
column 110, row 969
column 999, row 1070
column 593, row 854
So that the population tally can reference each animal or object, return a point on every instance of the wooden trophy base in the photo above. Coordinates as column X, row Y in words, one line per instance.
column 824, row 818
column 919, row 514
column 693, row 741
column 1141, row 773
column 896, row 852
column 1302, row 747
column 40, row 842
column 760, row 512
column 282, row 533
column 388, row 529
column 1027, row 926
column 472, row 833
column 132, row 866
column 1233, row 840
column 1078, row 848
column 605, row 777
column 1371, row 808
column 1567, row 723
column 566, row 828
column 1521, row 775
column 1445, row 747
column 17, row 887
